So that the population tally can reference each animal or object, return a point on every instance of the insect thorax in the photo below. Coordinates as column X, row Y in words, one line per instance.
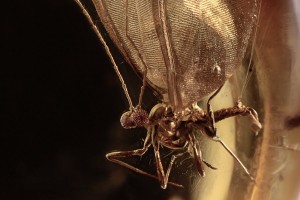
column 169, row 127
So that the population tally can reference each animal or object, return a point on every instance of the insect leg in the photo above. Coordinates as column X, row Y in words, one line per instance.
column 230, row 112
column 138, row 53
column 115, row 157
column 162, row 176
column 209, row 165
column 210, row 111
column 239, row 110
column 195, row 144
column 218, row 139
column 163, row 179
column 197, row 154
column 174, row 157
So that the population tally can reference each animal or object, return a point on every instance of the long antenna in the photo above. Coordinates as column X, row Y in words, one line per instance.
column 247, row 78
column 95, row 28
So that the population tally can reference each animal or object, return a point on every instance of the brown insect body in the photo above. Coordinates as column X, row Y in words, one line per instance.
column 176, row 132
column 154, row 41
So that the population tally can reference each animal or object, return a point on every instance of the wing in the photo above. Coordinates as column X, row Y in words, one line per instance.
column 189, row 47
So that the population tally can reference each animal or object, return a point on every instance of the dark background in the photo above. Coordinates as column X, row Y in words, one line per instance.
column 60, row 107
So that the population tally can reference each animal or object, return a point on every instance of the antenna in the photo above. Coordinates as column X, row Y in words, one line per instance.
column 95, row 28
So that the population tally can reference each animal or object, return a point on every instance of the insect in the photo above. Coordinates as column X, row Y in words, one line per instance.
column 184, row 50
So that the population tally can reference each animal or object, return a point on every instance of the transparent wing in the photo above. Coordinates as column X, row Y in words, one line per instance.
column 189, row 47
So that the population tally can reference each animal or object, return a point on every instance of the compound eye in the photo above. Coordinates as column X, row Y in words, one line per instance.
column 132, row 119
column 140, row 117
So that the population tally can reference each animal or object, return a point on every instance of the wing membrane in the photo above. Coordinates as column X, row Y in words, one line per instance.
column 189, row 47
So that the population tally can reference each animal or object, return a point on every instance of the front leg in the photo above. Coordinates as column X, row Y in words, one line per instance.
column 115, row 157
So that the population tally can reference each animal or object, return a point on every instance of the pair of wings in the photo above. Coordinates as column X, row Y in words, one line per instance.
column 188, row 47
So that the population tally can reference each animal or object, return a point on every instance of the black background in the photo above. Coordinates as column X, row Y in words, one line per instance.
column 60, row 107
